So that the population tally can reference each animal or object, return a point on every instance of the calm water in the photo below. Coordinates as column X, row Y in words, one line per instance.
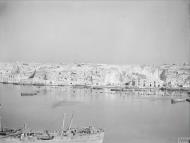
column 125, row 117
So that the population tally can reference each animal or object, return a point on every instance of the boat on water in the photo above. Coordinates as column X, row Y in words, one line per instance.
column 28, row 94
column 188, row 99
column 176, row 100
column 8, row 132
column 70, row 135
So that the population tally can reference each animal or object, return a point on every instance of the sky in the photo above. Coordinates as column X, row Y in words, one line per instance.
column 109, row 31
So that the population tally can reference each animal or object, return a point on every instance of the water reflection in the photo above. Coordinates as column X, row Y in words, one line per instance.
column 130, row 116
column 64, row 103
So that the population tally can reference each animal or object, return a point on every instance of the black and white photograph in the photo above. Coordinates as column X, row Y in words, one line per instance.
column 94, row 71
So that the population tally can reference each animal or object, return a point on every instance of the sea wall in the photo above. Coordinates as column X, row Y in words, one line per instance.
column 138, row 76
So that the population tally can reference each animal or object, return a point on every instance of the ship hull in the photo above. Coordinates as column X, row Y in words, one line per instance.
column 74, row 139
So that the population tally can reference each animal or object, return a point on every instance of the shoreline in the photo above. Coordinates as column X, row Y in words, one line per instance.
column 99, row 87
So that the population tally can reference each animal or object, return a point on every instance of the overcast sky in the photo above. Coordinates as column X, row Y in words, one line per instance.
column 113, row 32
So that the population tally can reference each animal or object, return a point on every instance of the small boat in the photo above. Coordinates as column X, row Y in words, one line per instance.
column 188, row 99
column 116, row 89
column 173, row 101
column 47, row 136
column 97, row 88
column 5, row 82
column 29, row 94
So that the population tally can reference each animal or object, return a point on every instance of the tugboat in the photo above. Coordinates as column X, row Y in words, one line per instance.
column 70, row 135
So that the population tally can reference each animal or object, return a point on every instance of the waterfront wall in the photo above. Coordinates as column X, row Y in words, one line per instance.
column 138, row 76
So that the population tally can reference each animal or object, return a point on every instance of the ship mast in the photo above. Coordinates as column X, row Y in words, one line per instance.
column 0, row 121
column 0, row 124
column 63, row 124
column 70, row 122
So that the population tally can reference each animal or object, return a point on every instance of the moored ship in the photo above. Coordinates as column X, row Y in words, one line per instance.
column 70, row 135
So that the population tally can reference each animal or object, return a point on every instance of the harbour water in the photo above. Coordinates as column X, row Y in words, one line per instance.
column 125, row 117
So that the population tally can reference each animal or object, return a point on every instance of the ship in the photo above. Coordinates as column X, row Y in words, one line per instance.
column 88, row 134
